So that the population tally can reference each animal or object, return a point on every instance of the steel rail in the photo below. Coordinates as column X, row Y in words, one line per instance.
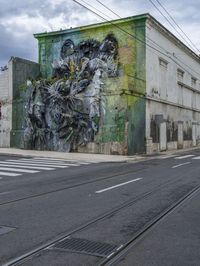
column 23, row 258
column 125, row 248
column 72, row 186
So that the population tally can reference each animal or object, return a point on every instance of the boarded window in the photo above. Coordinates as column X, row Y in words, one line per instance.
column 155, row 131
column 172, row 131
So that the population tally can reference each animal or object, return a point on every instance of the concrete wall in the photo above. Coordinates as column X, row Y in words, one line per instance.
column 173, row 92
column 5, row 106
column 22, row 70
column 122, row 124
column 19, row 70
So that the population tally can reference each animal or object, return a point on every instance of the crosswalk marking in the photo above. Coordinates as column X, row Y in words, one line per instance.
column 32, row 165
column 51, row 163
column 63, row 161
column 184, row 156
column 196, row 158
column 9, row 174
column 36, row 164
column 51, row 159
column 10, row 164
column 18, row 170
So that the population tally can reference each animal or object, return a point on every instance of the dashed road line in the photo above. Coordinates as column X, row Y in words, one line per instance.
column 179, row 165
column 118, row 185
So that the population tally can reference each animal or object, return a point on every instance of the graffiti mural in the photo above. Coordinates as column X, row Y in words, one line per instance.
column 66, row 111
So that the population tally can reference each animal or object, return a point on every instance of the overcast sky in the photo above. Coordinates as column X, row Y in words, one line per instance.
column 20, row 19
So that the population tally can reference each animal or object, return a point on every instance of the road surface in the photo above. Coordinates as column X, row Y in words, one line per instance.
column 57, row 212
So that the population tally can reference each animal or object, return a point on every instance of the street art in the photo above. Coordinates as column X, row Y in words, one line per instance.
column 66, row 111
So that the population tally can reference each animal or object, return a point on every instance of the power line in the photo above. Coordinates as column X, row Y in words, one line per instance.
column 167, row 53
column 96, row 9
column 108, row 8
column 121, row 17
column 177, row 25
column 170, row 23
column 113, row 24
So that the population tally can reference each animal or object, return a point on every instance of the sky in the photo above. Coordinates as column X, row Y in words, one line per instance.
column 20, row 19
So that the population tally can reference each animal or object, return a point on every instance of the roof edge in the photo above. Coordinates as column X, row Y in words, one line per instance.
column 94, row 25
column 173, row 37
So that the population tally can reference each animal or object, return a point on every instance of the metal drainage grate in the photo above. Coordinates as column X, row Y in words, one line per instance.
column 5, row 229
column 85, row 246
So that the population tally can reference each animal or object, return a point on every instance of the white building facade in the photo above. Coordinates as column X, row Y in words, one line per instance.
column 172, row 91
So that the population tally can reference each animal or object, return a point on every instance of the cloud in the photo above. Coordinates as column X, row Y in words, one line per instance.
column 19, row 20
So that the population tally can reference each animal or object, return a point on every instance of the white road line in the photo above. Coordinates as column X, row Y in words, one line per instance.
column 4, row 193
column 53, row 159
column 9, row 174
column 8, row 164
column 40, row 162
column 178, row 165
column 184, row 156
column 196, row 158
column 83, row 163
column 167, row 156
column 64, row 161
column 35, row 164
column 119, row 185
column 18, row 170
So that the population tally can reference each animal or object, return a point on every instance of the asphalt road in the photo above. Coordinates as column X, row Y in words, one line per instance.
column 43, row 200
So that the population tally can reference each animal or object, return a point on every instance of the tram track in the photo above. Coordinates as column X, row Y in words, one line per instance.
column 125, row 248
column 27, row 256
column 70, row 186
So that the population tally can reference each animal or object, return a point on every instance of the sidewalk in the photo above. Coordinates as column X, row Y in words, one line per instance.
column 88, row 156
column 70, row 156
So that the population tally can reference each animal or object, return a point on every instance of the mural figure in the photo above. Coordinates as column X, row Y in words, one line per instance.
column 66, row 113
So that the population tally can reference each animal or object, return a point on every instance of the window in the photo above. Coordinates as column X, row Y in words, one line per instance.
column 163, row 78
column 0, row 111
column 180, row 74
column 193, row 82
column 163, row 63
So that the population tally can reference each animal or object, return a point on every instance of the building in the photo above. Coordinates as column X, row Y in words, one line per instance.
column 121, row 87
column 12, row 80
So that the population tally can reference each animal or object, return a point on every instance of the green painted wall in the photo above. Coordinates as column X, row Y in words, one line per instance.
column 124, row 118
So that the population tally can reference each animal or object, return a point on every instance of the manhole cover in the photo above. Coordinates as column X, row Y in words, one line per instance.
column 85, row 246
column 5, row 229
